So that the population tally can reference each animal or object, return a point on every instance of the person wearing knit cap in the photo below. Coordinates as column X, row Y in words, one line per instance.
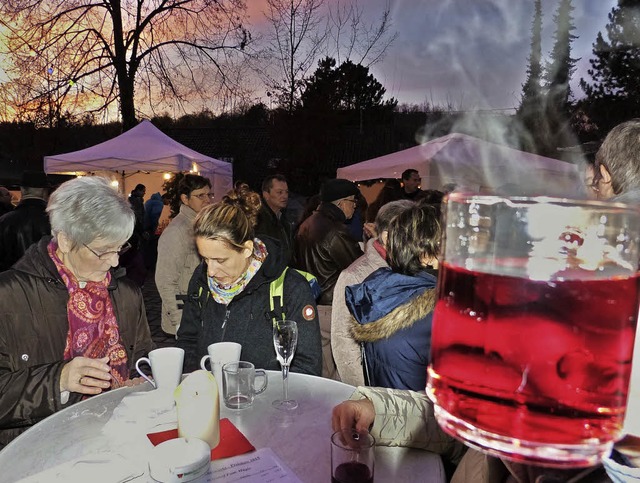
column 324, row 247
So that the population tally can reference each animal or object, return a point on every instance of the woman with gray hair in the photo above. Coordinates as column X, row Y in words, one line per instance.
column 69, row 326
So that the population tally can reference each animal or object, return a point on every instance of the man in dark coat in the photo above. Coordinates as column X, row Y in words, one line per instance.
column 272, row 219
column 323, row 244
column 136, row 199
column 324, row 247
column 28, row 222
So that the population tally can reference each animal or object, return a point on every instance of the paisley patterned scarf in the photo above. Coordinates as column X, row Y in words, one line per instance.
column 93, row 328
column 223, row 294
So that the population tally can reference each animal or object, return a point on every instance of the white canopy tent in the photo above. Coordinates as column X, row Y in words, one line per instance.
column 473, row 165
column 142, row 149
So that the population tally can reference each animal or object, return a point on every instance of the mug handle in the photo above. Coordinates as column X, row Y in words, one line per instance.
column 203, row 362
column 142, row 374
column 261, row 372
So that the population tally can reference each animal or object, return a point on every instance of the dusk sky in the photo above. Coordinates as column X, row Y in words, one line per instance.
column 464, row 54
column 471, row 53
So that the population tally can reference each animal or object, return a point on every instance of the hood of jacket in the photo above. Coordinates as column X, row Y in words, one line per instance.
column 387, row 302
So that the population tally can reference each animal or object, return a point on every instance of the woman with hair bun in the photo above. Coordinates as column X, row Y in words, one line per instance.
column 229, row 297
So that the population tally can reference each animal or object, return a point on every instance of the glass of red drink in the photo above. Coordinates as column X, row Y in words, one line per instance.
column 352, row 456
column 534, row 326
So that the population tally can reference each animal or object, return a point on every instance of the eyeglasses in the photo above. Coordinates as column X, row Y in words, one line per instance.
column 352, row 201
column 205, row 196
column 104, row 256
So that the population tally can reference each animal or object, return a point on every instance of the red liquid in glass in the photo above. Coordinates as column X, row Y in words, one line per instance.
column 541, row 361
column 352, row 472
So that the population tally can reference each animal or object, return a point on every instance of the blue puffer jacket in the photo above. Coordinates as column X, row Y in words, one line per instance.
column 393, row 320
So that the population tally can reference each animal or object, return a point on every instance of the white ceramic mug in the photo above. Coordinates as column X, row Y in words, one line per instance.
column 166, row 367
column 218, row 355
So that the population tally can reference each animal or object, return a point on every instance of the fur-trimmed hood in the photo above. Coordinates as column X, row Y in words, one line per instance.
column 387, row 302
column 400, row 318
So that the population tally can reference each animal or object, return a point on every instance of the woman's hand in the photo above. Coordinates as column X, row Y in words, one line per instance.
column 370, row 230
column 353, row 414
column 85, row 375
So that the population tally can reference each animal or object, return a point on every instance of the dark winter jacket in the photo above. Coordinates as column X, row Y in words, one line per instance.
column 33, row 334
column 392, row 315
column 279, row 228
column 21, row 228
column 152, row 211
column 137, row 205
column 325, row 248
column 245, row 319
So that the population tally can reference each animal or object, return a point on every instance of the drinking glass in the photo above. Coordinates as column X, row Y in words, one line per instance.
column 534, row 325
column 352, row 456
column 285, row 340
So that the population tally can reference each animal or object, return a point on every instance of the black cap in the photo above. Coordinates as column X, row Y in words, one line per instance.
column 336, row 189
column 34, row 179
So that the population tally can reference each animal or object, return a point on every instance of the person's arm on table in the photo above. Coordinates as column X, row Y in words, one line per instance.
column 299, row 305
column 31, row 394
column 397, row 418
column 405, row 418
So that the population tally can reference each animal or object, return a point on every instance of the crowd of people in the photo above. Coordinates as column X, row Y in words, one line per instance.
column 73, row 321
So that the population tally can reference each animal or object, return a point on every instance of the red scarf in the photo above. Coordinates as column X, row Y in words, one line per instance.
column 380, row 249
column 93, row 328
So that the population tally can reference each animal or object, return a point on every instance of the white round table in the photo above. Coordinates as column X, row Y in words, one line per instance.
column 300, row 438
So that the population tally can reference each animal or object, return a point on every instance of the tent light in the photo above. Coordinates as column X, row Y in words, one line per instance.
column 115, row 184
column 166, row 176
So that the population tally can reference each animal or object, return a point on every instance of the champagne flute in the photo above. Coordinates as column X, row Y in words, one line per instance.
column 285, row 340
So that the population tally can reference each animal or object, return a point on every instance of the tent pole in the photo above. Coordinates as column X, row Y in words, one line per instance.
column 122, row 189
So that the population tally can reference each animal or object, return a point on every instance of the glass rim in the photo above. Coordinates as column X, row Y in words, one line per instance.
column 239, row 365
column 365, row 441
column 487, row 199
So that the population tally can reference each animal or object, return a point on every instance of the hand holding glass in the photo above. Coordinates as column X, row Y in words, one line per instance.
column 534, row 326
column 285, row 340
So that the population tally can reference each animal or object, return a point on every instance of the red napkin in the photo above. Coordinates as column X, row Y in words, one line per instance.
column 232, row 441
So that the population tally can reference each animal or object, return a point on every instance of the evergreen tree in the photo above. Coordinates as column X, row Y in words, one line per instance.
column 613, row 95
column 555, row 130
column 561, row 66
column 531, row 90
column 348, row 87
column 531, row 113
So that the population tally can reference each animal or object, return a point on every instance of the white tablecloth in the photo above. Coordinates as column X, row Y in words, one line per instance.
column 299, row 438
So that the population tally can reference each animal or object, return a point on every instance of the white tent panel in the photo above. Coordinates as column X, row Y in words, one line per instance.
column 474, row 165
column 143, row 148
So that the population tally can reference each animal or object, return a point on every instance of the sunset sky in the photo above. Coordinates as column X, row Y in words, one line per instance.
column 472, row 53
column 469, row 54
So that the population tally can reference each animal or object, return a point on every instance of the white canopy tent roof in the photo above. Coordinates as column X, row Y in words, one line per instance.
column 474, row 165
column 146, row 149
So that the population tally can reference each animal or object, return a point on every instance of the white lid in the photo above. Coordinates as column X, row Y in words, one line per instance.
column 179, row 460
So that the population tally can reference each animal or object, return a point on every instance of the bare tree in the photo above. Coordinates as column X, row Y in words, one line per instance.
column 298, row 35
column 104, row 54
column 303, row 31
column 352, row 38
